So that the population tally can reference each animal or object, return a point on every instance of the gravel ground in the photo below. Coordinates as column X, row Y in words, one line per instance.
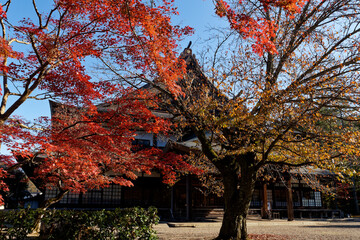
column 282, row 229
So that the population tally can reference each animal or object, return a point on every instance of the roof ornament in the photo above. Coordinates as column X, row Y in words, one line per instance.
column 189, row 45
column 187, row 50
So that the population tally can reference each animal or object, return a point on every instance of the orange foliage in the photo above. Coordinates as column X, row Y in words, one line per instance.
column 81, row 148
column 284, row 91
column 259, row 28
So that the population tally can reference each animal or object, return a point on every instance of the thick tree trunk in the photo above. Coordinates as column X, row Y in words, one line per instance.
column 238, row 191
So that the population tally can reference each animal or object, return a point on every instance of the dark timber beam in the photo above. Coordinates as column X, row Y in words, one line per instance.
column 289, row 198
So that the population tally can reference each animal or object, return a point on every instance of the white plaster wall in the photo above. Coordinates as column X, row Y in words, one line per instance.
column 145, row 136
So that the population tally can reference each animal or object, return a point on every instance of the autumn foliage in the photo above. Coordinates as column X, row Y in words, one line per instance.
column 87, row 149
column 260, row 28
column 282, row 90
column 77, row 151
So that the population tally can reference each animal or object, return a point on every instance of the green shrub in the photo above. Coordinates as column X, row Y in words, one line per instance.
column 17, row 224
column 132, row 223
column 136, row 223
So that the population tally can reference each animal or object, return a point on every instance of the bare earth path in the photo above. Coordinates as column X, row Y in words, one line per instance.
column 296, row 230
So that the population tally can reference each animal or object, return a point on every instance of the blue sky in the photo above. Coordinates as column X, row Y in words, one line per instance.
column 198, row 14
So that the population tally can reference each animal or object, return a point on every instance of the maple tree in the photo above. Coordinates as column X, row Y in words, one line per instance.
column 285, row 63
column 43, row 57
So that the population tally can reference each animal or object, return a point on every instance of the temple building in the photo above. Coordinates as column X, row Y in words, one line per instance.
column 287, row 196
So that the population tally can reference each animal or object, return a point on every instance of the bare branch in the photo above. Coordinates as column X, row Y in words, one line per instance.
column 18, row 41
column 38, row 14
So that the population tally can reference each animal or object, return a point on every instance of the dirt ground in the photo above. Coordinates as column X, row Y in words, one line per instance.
column 273, row 229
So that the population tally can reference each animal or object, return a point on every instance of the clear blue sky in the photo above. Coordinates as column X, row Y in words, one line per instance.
column 198, row 14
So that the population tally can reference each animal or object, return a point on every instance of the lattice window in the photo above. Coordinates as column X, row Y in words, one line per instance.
column 280, row 198
column 96, row 196
column 296, row 199
column 256, row 199
column 51, row 193
column 318, row 202
column 64, row 199
column 116, row 194
column 311, row 199
column 107, row 195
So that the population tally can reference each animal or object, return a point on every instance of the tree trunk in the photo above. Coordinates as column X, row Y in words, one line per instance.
column 44, row 206
column 238, row 192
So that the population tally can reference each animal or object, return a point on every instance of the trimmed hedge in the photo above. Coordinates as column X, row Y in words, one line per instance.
column 131, row 223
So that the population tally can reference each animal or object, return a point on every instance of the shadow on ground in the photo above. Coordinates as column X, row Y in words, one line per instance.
column 334, row 226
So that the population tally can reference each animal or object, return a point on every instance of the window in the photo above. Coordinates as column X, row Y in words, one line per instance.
column 256, row 199
column 318, row 202
column 92, row 197
column 107, row 195
column 116, row 194
column 296, row 198
column 280, row 198
column 311, row 199
column 70, row 197
column 51, row 193
column 140, row 144
column 73, row 198
column 143, row 142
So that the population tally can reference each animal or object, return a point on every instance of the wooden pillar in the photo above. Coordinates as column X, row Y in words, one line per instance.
column 264, row 209
column 336, row 195
column 188, row 198
column 80, row 198
column 289, row 198
column 301, row 192
column 356, row 203
column 122, row 197
column 172, row 204
column 155, row 142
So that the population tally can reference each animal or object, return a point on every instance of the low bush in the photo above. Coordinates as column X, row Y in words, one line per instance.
column 17, row 224
column 131, row 223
